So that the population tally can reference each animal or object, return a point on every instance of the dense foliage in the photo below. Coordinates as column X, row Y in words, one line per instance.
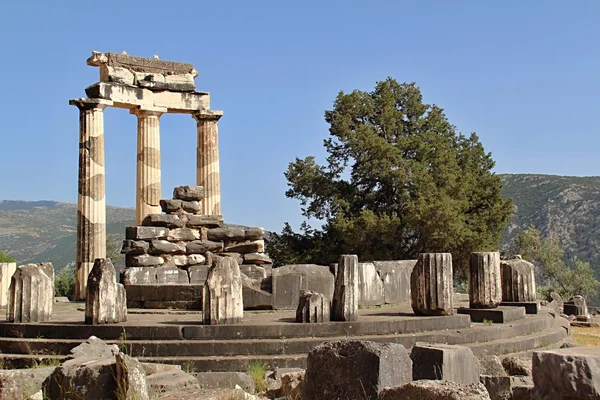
column 399, row 181
column 5, row 258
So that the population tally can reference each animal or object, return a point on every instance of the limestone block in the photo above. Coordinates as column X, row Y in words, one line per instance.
column 170, row 381
column 518, row 280
column 180, row 260
column 250, row 246
column 485, row 284
column 313, row 307
column 145, row 260
column 184, row 296
column 257, row 258
column 222, row 296
column 256, row 298
column 93, row 347
column 171, row 276
column 432, row 285
column 289, row 280
column 183, row 234
column 444, row 362
column 19, row 384
column 119, row 75
column 105, row 300
column 227, row 233
column 191, row 206
column 163, row 220
column 170, row 206
column 491, row 365
column 206, row 221
column 139, row 276
column 395, row 276
column 292, row 384
column 188, row 193
column 145, row 232
column 174, row 83
column 558, row 299
column 140, row 64
column 344, row 306
column 572, row 373
column 254, row 233
column 6, row 272
column 370, row 285
column 135, row 247
column 351, row 369
column 576, row 306
column 30, row 295
column 498, row 387
column 182, row 102
column 434, row 389
column 254, row 271
column 515, row 366
column 203, row 246
column 195, row 259
column 159, row 247
column 48, row 269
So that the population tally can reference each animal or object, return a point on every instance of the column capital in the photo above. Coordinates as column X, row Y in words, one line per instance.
column 207, row 115
column 143, row 111
column 86, row 103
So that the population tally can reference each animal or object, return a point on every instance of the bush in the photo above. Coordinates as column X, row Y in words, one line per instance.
column 5, row 258
column 64, row 283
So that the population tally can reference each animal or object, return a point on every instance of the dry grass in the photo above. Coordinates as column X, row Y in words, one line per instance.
column 586, row 336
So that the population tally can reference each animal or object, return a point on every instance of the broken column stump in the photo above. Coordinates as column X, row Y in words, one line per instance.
column 222, row 296
column 313, row 307
column 31, row 293
column 485, row 288
column 518, row 285
column 344, row 306
column 431, row 284
column 105, row 299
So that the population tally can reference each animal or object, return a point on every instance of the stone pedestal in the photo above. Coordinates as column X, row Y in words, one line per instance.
column 91, row 202
column 6, row 272
column 313, row 307
column 431, row 284
column 344, row 306
column 223, row 298
column 518, row 281
column 105, row 301
column 444, row 362
column 576, row 306
column 485, row 288
column 498, row 315
column 148, row 190
column 208, row 174
column 31, row 295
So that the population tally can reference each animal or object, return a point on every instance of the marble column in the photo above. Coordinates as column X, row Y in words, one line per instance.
column 485, row 286
column 207, row 174
column 148, row 190
column 431, row 285
column 91, row 202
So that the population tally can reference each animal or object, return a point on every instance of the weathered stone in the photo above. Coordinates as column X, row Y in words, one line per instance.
column 48, row 269
column 558, row 299
column 139, row 276
column 313, row 307
column 370, row 286
column 195, row 259
column 491, row 365
column 30, row 295
column 191, row 206
column 350, row 369
column 432, row 285
column 203, row 246
column 188, row 193
column 135, row 247
column 6, row 272
column 185, row 296
column 256, row 298
column 222, row 297
column 289, row 280
column 395, row 276
column 254, row 233
column 485, row 284
column 517, row 366
column 344, row 306
column 180, row 260
column 198, row 273
column 171, row 276
column 206, row 221
column 183, row 234
column 254, row 271
column 435, row 390
column 226, row 233
column 498, row 387
column 119, row 75
column 159, row 247
column 257, row 258
column 253, row 246
column 222, row 380
column 292, row 384
column 444, row 362
column 144, row 260
column 145, row 232
column 518, row 280
column 238, row 257
column 19, row 384
column 163, row 220
column 576, row 306
column 93, row 347
column 171, row 380
column 170, row 206
column 572, row 373
column 140, row 64
column 105, row 300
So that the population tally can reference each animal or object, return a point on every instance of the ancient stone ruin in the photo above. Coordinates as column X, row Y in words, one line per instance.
column 485, row 289
column 345, row 296
column 313, row 307
column 432, row 285
column 222, row 301
column 105, row 300
column 31, row 293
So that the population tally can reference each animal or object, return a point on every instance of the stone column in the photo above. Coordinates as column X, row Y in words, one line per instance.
column 344, row 306
column 518, row 281
column 431, row 285
column 148, row 191
column 91, row 202
column 485, row 285
column 207, row 174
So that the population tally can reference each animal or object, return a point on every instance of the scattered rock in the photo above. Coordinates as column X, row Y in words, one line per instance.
column 19, row 384
column 444, row 362
column 188, row 193
column 517, row 366
column 313, row 307
column 491, row 365
column 435, row 390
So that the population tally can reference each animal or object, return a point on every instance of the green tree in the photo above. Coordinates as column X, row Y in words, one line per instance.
column 5, row 258
column 113, row 247
column 398, row 181
column 566, row 277
column 64, row 282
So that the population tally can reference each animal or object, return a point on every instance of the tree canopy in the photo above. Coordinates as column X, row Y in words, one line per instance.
column 399, row 180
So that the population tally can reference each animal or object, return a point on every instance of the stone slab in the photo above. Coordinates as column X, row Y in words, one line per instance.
column 446, row 362
column 289, row 280
column 138, row 294
column 498, row 315
column 531, row 307
column 139, row 64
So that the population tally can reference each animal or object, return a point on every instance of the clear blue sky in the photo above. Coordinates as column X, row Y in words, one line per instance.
column 524, row 75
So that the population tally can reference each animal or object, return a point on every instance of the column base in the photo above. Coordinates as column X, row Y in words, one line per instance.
column 498, row 315
column 531, row 307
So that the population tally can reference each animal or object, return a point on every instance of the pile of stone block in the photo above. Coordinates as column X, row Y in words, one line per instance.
column 167, row 258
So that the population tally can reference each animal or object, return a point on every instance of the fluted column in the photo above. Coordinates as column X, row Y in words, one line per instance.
column 148, row 190
column 207, row 174
column 485, row 288
column 91, row 201
column 431, row 285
